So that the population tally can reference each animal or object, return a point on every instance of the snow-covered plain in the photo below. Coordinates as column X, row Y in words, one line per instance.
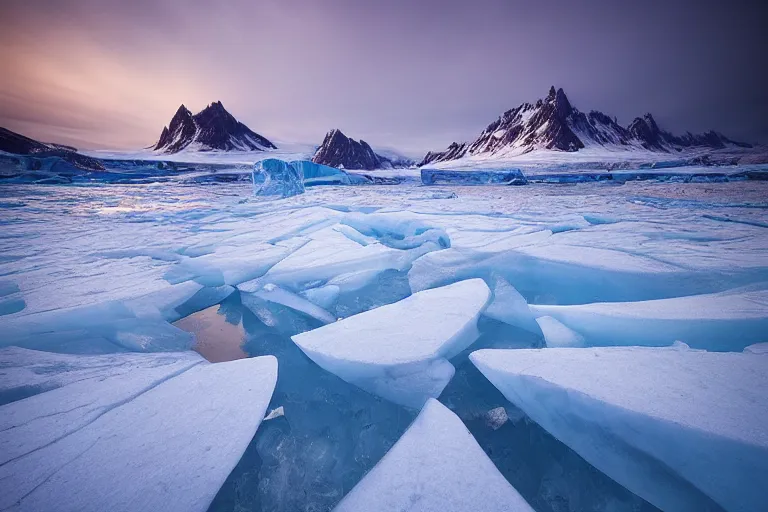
column 105, row 270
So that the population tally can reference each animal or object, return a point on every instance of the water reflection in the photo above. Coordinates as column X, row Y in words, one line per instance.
column 218, row 330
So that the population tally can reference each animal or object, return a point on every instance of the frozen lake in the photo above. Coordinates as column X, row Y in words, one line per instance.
column 101, row 270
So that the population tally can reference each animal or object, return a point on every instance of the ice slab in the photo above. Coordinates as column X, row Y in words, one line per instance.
column 140, row 324
column 73, row 392
column 277, row 295
column 545, row 270
column 228, row 265
column 436, row 466
column 681, row 428
column 30, row 372
column 400, row 351
column 727, row 321
column 163, row 435
column 273, row 177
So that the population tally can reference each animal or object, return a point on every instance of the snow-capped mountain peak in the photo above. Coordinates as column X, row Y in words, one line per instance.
column 338, row 150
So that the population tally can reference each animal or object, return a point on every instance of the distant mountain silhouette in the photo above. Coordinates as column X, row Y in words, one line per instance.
column 12, row 142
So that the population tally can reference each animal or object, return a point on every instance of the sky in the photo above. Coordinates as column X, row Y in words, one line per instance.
column 413, row 75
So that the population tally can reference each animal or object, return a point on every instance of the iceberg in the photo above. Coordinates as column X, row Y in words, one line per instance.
column 273, row 177
column 400, row 351
column 726, row 321
column 436, row 466
column 166, row 430
column 684, row 429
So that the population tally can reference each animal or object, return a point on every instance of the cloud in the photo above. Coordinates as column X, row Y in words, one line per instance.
column 413, row 75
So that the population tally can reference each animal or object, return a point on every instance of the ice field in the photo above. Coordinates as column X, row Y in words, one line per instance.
column 552, row 347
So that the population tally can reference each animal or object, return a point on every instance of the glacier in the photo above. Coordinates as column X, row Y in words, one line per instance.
column 111, row 284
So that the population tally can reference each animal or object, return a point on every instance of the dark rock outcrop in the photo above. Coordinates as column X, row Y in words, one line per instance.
column 338, row 150
column 213, row 128
column 12, row 142
column 553, row 123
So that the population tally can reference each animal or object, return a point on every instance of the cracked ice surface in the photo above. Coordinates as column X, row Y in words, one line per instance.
column 107, row 269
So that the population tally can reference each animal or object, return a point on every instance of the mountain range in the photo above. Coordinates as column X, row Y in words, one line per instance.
column 549, row 129
column 552, row 123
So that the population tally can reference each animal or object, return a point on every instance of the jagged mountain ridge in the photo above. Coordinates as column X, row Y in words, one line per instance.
column 338, row 150
column 213, row 128
column 553, row 123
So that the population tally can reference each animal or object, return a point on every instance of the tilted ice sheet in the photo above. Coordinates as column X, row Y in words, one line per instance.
column 277, row 295
column 723, row 321
column 558, row 335
column 331, row 253
column 436, row 466
column 510, row 307
column 400, row 351
column 160, row 437
column 73, row 392
column 676, row 426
